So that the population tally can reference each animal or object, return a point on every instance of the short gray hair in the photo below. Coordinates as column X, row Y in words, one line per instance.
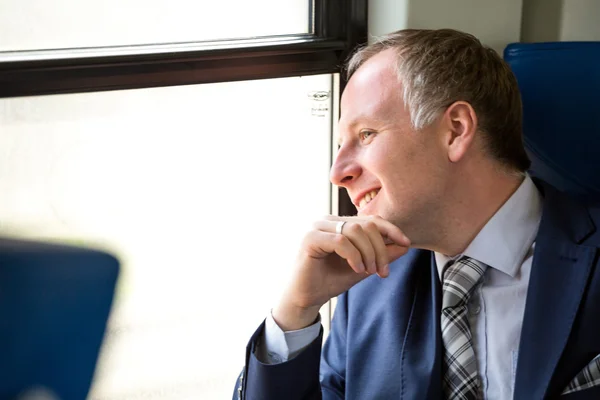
column 439, row 67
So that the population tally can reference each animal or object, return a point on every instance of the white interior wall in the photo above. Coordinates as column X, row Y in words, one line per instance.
column 496, row 23
column 580, row 20
column 541, row 20
column 560, row 20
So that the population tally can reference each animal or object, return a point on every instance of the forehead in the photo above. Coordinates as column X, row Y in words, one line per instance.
column 373, row 92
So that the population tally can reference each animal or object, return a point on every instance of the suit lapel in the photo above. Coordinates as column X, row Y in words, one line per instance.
column 421, row 351
column 559, row 274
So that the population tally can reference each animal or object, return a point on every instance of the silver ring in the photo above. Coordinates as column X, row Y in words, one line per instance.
column 339, row 227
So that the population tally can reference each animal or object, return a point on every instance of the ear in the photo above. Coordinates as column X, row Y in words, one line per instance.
column 460, row 124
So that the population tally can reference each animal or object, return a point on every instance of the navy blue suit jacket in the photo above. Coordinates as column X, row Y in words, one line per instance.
column 385, row 341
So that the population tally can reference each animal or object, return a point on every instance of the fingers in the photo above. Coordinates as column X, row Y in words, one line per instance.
column 394, row 252
column 381, row 253
column 378, row 241
column 328, row 243
column 360, row 239
column 389, row 231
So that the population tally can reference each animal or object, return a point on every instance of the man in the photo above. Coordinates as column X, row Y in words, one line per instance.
column 499, row 294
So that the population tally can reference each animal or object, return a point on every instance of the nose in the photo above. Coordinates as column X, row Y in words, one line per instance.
column 345, row 168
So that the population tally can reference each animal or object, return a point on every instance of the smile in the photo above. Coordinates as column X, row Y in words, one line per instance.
column 367, row 198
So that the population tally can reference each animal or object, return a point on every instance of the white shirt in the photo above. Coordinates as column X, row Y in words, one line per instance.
column 496, row 306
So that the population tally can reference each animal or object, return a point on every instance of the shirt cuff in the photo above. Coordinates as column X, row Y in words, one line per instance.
column 277, row 346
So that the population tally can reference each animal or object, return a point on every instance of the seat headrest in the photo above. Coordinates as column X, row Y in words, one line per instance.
column 560, row 88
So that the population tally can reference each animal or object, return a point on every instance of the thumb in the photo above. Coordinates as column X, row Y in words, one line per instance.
column 395, row 251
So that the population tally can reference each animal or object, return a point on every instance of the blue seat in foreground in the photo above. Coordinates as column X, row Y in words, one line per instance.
column 54, row 304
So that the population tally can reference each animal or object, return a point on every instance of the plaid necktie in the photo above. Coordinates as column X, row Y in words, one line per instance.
column 461, row 380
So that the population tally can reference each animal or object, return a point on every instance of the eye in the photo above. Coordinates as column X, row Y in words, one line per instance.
column 365, row 135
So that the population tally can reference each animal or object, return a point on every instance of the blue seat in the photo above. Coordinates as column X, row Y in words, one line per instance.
column 560, row 88
column 54, row 305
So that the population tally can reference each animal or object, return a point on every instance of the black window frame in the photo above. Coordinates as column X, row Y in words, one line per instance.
column 339, row 26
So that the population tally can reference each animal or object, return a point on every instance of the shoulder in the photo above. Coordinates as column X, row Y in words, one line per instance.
column 592, row 206
column 576, row 217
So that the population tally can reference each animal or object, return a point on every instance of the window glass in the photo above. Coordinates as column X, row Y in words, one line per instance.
column 203, row 192
column 42, row 24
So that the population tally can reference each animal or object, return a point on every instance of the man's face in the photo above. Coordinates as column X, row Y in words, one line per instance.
column 388, row 168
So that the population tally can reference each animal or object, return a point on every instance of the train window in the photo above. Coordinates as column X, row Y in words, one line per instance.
column 191, row 139
column 44, row 25
column 202, row 191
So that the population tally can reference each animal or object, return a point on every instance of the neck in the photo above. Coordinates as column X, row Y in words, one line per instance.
column 474, row 199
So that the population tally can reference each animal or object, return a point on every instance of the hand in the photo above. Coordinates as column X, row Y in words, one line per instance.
column 331, row 263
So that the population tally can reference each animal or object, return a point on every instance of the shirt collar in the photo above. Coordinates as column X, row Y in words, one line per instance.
column 507, row 237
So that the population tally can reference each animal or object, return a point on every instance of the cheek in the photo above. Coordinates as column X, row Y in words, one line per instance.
column 401, row 164
column 410, row 175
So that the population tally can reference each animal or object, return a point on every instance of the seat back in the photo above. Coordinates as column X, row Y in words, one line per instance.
column 560, row 88
column 54, row 305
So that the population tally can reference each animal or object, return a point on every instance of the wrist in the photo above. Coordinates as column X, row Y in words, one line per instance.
column 292, row 318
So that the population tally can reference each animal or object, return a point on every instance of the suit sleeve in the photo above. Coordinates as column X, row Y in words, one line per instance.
column 333, row 358
column 299, row 378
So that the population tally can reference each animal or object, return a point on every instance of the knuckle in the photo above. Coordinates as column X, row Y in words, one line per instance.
column 353, row 228
column 370, row 226
column 340, row 240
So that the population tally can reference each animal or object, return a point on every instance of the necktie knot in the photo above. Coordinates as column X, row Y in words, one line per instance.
column 459, row 280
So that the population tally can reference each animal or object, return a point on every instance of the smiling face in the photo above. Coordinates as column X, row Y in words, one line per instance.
column 388, row 168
